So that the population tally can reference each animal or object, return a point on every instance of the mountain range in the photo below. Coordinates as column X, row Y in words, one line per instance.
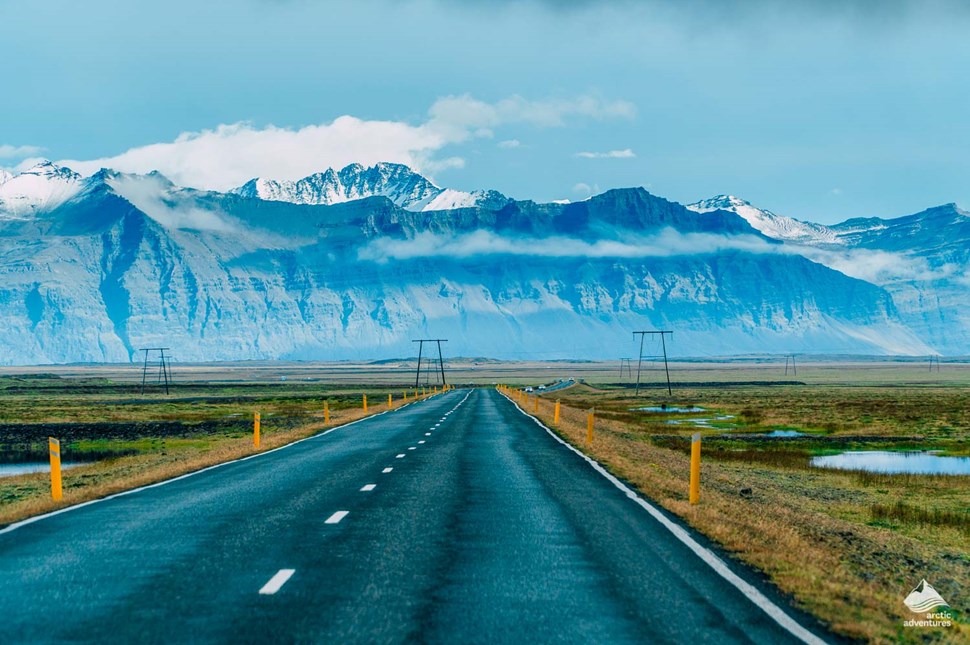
column 354, row 263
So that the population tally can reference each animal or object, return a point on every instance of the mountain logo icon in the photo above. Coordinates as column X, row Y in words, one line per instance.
column 924, row 598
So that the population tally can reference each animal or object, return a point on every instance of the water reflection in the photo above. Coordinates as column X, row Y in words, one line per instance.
column 9, row 470
column 18, row 460
column 884, row 461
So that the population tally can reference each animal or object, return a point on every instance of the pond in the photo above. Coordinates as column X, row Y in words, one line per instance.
column 23, row 468
column 31, row 460
column 884, row 461
column 785, row 433
column 699, row 422
column 670, row 408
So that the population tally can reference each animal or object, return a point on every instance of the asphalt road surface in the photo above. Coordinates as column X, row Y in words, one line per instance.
column 457, row 519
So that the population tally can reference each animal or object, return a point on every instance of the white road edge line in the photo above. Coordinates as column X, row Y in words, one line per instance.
column 368, row 487
column 747, row 590
column 336, row 517
column 37, row 518
column 387, row 470
column 276, row 582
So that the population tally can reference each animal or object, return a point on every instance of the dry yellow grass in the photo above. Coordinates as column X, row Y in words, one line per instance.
column 85, row 483
column 803, row 528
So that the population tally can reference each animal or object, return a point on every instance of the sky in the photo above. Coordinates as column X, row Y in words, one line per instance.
column 816, row 109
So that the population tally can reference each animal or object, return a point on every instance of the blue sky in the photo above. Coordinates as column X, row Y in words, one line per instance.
column 820, row 110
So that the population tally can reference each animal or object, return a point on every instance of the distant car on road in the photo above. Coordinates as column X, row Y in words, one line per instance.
column 528, row 389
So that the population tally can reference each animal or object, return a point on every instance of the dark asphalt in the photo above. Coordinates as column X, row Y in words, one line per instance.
column 491, row 531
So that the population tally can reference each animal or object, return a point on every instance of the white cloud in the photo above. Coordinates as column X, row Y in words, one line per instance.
column 465, row 115
column 626, row 153
column 509, row 143
column 150, row 195
column 229, row 155
column 877, row 267
column 666, row 243
column 8, row 151
column 583, row 187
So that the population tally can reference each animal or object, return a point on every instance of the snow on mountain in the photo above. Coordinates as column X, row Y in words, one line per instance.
column 397, row 182
column 4, row 176
column 777, row 227
column 41, row 188
column 927, row 269
column 132, row 261
column 922, row 260
column 100, row 266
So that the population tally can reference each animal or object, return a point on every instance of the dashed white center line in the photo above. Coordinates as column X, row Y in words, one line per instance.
column 427, row 434
column 276, row 582
column 422, row 441
column 412, row 448
column 368, row 487
column 387, row 470
column 336, row 517
column 400, row 456
column 437, row 424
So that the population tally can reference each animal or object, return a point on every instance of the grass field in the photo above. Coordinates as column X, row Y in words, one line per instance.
column 846, row 546
column 134, row 438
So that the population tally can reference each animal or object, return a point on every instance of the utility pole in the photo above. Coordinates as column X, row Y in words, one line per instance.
column 662, row 334
column 935, row 359
column 626, row 362
column 794, row 370
column 417, row 375
column 163, row 371
column 441, row 360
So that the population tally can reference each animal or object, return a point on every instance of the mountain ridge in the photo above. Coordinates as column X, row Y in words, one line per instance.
column 133, row 260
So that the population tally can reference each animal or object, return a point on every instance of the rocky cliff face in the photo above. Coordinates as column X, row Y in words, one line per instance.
column 922, row 260
column 129, row 262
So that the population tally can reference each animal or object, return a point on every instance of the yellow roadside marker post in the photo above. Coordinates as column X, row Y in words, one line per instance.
column 326, row 412
column 555, row 417
column 55, row 450
column 256, row 430
column 365, row 404
column 695, row 468
column 405, row 397
column 589, row 425
column 390, row 402
column 537, row 404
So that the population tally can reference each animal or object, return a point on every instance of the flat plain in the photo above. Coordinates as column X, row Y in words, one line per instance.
column 845, row 545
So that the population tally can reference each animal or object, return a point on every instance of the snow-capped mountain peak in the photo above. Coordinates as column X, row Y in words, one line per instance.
column 774, row 226
column 42, row 187
column 397, row 182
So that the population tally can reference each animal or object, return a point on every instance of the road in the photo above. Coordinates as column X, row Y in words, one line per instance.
column 455, row 519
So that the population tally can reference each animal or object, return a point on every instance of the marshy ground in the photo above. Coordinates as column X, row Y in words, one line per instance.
column 847, row 546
